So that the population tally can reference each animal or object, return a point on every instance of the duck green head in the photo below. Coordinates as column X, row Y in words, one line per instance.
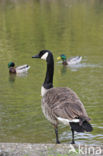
column 62, row 57
column 11, row 64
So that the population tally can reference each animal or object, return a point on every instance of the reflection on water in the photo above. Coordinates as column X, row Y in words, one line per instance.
column 88, row 138
column 84, row 65
column 78, row 66
column 74, row 28
column 12, row 77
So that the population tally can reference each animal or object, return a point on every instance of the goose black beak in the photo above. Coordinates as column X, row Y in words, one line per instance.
column 36, row 56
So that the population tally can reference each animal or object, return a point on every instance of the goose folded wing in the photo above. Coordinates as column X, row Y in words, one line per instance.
column 70, row 111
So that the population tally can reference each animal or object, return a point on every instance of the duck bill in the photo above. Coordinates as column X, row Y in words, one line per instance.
column 59, row 58
column 36, row 56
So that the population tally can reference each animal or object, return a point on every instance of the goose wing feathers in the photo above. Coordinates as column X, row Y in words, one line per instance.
column 64, row 103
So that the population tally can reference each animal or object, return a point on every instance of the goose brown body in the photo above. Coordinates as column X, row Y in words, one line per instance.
column 64, row 103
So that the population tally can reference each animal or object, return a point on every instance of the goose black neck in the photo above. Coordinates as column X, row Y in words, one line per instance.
column 48, row 82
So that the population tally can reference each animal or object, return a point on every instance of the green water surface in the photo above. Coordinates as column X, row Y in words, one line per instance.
column 71, row 27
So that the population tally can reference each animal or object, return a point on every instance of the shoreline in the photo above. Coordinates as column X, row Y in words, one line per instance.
column 29, row 149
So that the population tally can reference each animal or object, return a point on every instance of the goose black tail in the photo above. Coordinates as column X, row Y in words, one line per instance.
column 85, row 126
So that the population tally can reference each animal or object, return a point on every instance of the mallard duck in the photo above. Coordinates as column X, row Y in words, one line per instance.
column 70, row 61
column 19, row 69
column 61, row 105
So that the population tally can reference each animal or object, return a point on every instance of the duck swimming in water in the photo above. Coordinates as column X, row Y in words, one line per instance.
column 19, row 69
column 70, row 61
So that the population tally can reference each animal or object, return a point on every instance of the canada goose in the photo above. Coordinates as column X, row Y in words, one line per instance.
column 70, row 61
column 61, row 104
column 20, row 69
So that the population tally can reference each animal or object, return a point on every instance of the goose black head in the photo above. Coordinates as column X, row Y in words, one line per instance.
column 45, row 55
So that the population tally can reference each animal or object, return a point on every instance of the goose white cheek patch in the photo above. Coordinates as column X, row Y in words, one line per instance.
column 44, row 56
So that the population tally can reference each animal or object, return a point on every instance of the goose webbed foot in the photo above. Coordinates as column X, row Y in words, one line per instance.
column 57, row 142
column 73, row 142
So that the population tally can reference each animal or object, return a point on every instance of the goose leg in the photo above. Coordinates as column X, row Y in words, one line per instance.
column 73, row 142
column 56, row 132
